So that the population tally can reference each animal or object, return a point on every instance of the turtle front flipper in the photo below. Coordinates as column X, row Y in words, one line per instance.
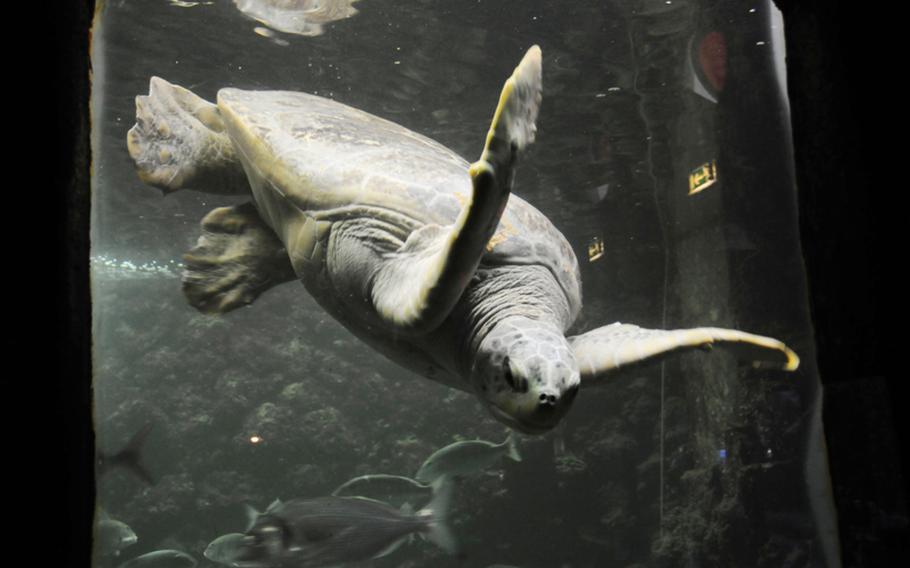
column 419, row 285
column 610, row 348
column 236, row 259
column 179, row 142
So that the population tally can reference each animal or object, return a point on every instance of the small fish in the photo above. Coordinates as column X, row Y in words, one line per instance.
column 225, row 549
column 129, row 458
column 306, row 533
column 395, row 490
column 466, row 458
column 113, row 536
column 161, row 559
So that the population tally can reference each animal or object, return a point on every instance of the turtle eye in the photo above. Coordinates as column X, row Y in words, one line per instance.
column 507, row 374
column 517, row 384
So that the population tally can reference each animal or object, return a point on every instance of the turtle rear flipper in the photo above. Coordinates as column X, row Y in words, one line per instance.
column 419, row 286
column 236, row 259
column 179, row 142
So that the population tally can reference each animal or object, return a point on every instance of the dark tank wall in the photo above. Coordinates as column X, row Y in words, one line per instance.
column 839, row 66
column 713, row 489
column 59, row 448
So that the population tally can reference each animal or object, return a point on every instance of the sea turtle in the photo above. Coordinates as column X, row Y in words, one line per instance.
column 427, row 258
column 300, row 17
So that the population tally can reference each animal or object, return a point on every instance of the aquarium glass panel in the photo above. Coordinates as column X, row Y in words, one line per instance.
column 448, row 283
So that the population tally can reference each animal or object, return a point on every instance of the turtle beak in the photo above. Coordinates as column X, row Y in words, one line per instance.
column 537, row 418
column 511, row 422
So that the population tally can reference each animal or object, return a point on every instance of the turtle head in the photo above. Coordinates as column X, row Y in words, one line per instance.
column 525, row 373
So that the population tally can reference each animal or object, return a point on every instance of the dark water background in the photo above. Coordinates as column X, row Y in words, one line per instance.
column 642, row 481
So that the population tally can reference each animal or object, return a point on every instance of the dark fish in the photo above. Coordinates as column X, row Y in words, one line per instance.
column 306, row 533
column 129, row 458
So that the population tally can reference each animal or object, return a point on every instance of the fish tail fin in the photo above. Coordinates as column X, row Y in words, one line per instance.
column 438, row 531
column 513, row 447
column 130, row 457
column 441, row 535
column 251, row 515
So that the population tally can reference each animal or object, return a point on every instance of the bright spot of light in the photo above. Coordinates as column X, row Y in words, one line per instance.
column 255, row 439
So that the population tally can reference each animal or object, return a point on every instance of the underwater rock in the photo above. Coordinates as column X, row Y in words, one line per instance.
column 225, row 488
column 153, row 512
column 569, row 464
column 683, row 535
column 615, row 446
column 329, row 432
column 309, row 479
column 171, row 495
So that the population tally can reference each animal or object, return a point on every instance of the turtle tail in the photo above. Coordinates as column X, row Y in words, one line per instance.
column 436, row 514
column 179, row 142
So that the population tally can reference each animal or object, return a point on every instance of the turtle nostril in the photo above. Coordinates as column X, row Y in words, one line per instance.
column 547, row 400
